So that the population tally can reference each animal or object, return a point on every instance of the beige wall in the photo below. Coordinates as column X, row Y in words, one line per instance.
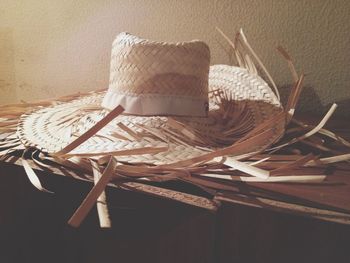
column 53, row 48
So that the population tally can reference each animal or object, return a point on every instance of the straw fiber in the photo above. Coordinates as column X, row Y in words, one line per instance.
column 146, row 73
column 239, row 102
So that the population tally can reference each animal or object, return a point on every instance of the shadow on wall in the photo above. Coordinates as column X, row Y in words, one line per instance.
column 310, row 103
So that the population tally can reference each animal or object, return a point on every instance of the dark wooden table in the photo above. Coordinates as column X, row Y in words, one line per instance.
column 148, row 229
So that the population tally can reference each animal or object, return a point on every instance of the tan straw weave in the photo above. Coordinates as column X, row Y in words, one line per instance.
column 158, row 78
column 239, row 102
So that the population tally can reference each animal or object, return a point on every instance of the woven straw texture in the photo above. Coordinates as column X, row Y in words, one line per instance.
column 158, row 71
column 239, row 102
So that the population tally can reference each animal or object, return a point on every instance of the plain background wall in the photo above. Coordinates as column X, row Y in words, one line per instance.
column 54, row 48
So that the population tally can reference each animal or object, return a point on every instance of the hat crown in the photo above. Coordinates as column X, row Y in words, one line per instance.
column 158, row 78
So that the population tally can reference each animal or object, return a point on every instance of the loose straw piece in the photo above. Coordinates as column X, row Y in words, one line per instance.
column 323, row 122
column 294, row 98
column 271, row 179
column 249, row 64
column 235, row 50
column 325, row 132
column 291, row 66
column 102, row 208
column 186, row 198
column 93, row 130
column 33, row 178
column 282, row 169
column 136, row 151
column 245, row 41
column 246, row 168
column 92, row 196
column 329, row 160
column 309, row 133
column 287, row 179
column 130, row 132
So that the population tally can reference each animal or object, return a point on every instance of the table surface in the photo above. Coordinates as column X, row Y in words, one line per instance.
column 149, row 229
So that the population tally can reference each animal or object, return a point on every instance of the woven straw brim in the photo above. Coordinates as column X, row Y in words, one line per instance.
column 239, row 102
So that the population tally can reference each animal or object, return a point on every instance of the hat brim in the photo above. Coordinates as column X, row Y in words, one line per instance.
column 239, row 102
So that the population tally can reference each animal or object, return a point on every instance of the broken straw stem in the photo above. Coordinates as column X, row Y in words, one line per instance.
column 92, row 196
column 243, row 167
column 102, row 208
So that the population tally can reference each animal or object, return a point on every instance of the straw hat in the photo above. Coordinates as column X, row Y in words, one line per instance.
column 176, row 107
